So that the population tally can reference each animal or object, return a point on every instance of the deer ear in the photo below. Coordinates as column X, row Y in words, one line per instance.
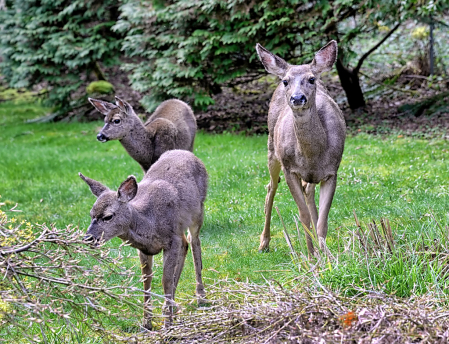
column 128, row 190
column 325, row 58
column 272, row 63
column 123, row 106
column 102, row 106
column 96, row 187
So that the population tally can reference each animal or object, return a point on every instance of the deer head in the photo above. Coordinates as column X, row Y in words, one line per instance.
column 111, row 214
column 299, row 81
column 117, row 119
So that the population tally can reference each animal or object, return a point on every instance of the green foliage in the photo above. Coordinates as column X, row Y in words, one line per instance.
column 57, row 42
column 191, row 49
column 102, row 87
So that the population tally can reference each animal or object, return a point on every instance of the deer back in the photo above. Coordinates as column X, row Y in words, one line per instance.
column 176, row 118
column 181, row 172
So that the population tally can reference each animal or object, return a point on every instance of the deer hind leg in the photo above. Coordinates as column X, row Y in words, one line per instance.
column 294, row 184
column 274, row 167
column 146, row 264
column 173, row 262
column 194, row 238
column 327, row 190
column 309, row 194
column 181, row 260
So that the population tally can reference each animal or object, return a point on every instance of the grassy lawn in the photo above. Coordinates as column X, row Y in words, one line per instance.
column 403, row 179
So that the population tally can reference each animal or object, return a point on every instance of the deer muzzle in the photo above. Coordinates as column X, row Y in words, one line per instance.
column 102, row 138
column 298, row 100
column 90, row 240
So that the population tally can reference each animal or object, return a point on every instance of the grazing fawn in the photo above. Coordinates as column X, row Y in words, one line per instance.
column 153, row 216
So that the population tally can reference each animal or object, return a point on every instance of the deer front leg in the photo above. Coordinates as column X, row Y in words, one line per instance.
column 274, row 167
column 327, row 190
column 294, row 184
column 146, row 265
column 171, row 261
column 309, row 194
column 194, row 232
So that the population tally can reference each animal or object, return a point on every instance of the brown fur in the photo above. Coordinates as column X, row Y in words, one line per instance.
column 306, row 139
column 153, row 216
column 171, row 126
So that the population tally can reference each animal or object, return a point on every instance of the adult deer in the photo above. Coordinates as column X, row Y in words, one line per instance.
column 171, row 126
column 152, row 216
column 306, row 139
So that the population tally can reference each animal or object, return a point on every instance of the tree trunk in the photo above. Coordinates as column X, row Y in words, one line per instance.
column 351, row 85
column 431, row 51
column 98, row 72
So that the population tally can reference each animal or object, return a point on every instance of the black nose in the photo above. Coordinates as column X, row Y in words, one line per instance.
column 88, row 238
column 298, row 99
column 101, row 138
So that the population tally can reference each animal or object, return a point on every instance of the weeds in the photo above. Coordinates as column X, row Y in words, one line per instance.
column 376, row 257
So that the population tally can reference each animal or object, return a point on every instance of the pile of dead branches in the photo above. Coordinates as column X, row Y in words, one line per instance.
column 247, row 313
column 55, row 288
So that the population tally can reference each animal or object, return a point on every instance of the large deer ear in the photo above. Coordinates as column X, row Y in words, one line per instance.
column 128, row 190
column 123, row 106
column 272, row 63
column 325, row 58
column 96, row 187
column 102, row 106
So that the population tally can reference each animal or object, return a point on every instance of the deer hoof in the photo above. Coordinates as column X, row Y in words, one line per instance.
column 264, row 249
column 200, row 293
column 202, row 301
column 147, row 324
column 264, row 244
column 168, row 322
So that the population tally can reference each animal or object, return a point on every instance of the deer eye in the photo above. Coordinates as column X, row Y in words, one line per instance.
column 107, row 218
column 312, row 80
column 116, row 121
column 285, row 82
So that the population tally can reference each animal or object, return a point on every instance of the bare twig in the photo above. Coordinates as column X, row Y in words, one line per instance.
column 364, row 56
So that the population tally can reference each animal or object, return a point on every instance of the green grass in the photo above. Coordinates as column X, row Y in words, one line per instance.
column 399, row 178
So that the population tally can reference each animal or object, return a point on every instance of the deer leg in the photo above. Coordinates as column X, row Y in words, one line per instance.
column 171, row 261
column 146, row 264
column 194, row 238
column 309, row 194
column 181, row 261
column 274, row 167
column 294, row 184
column 327, row 190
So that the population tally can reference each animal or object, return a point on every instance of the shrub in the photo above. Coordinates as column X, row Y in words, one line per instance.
column 101, row 87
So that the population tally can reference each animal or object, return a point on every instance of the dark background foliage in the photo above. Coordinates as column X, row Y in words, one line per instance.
column 189, row 49
column 59, row 45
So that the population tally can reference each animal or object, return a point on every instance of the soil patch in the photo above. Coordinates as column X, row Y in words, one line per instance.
column 411, row 106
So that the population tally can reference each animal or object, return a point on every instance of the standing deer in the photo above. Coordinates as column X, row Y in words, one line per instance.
column 306, row 139
column 171, row 126
column 153, row 216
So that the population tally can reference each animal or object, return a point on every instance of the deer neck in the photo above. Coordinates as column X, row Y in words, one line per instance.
column 138, row 141
column 309, row 131
column 139, row 226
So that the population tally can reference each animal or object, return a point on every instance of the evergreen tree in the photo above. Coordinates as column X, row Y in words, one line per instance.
column 58, row 43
